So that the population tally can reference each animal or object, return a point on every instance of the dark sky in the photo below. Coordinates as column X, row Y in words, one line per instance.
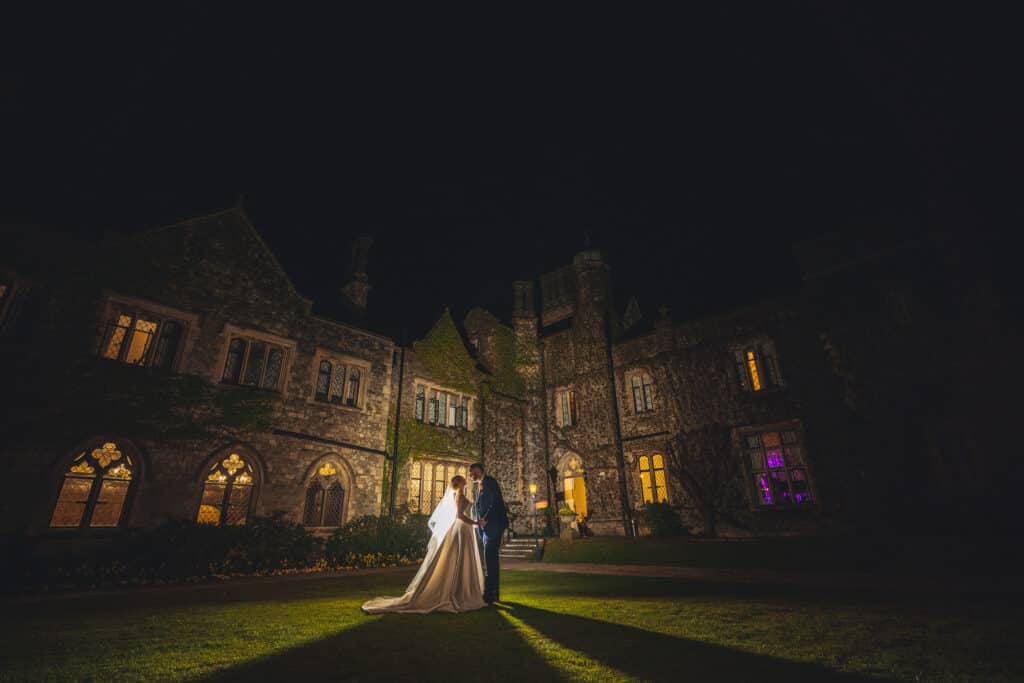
column 693, row 149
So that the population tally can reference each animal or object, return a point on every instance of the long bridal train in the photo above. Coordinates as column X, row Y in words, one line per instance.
column 451, row 578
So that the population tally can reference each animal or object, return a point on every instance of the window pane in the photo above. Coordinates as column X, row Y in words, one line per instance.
column 780, row 487
column 648, row 393
column 238, row 506
column 338, row 385
column 645, row 485
column 775, row 458
column 167, row 347
column 74, row 494
column 764, row 489
column 755, row 377
column 753, row 440
column 757, row 459
column 638, row 404
column 659, row 461
column 213, row 500
column 645, row 463
column 272, row 376
column 771, row 439
column 254, row 364
column 789, row 437
column 442, row 415
column 233, row 364
column 800, row 487
column 107, row 512
column 793, row 455
column 314, row 505
column 141, row 338
column 323, row 380
column 353, row 387
column 660, row 486
column 116, row 331
column 334, row 506
column 420, row 403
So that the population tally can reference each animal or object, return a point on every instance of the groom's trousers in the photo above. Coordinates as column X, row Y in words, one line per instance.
column 492, row 542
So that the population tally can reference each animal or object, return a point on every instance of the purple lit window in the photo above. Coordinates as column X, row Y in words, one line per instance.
column 780, row 479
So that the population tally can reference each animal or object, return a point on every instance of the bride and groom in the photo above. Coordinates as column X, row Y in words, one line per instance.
column 452, row 577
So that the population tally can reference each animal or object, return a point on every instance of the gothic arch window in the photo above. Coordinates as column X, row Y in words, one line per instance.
column 325, row 497
column 228, row 491
column 94, row 491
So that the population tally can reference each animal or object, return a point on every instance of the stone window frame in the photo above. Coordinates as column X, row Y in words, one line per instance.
column 348, row 362
column 640, row 373
column 132, row 456
column 119, row 304
column 750, row 472
column 344, row 475
column 573, row 406
column 757, row 365
column 232, row 332
column 468, row 401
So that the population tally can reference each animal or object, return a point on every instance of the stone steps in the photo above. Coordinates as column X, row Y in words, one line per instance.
column 519, row 549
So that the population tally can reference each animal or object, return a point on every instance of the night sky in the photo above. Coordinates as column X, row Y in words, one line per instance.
column 692, row 149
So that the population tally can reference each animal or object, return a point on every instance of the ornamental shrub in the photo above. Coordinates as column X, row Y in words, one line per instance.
column 662, row 520
column 403, row 536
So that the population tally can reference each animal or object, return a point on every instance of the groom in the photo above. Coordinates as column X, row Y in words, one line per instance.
column 492, row 521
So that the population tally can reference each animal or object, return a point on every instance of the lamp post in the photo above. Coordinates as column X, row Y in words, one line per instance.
column 533, row 496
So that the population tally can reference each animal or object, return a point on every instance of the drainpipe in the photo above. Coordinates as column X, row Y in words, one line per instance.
column 398, row 421
column 620, row 456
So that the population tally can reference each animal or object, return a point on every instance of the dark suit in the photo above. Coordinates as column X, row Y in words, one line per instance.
column 490, row 505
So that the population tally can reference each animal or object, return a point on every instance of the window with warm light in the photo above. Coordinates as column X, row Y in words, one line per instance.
column 652, row 478
column 777, row 463
column 325, row 497
column 757, row 367
column 565, row 408
column 428, row 480
column 253, row 363
column 94, row 491
column 442, row 407
column 338, row 383
column 227, row 492
column 138, row 337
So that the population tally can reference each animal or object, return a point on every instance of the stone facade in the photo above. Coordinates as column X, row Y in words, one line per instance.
column 773, row 408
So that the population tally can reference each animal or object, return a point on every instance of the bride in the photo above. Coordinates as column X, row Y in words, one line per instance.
column 451, row 578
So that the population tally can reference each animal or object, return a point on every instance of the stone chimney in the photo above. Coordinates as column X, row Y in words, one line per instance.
column 357, row 291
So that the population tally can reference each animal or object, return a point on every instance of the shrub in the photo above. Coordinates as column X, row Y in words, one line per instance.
column 365, row 540
column 662, row 520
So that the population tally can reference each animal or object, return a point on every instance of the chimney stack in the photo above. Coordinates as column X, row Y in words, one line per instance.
column 357, row 291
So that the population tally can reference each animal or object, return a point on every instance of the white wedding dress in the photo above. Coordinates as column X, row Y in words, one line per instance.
column 451, row 578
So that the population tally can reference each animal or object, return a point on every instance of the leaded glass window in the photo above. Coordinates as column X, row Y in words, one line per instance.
column 566, row 412
column 757, row 367
column 338, row 384
column 94, row 492
column 227, row 492
column 643, row 392
column 325, row 497
column 420, row 403
column 139, row 338
column 253, row 363
column 652, row 478
column 428, row 480
column 353, row 387
column 777, row 463
column 323, row 381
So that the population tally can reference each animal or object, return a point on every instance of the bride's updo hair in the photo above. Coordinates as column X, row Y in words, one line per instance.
column 457, row 481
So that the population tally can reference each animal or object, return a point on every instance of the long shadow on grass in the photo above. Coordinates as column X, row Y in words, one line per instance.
column 479, row 645
column 655, row 656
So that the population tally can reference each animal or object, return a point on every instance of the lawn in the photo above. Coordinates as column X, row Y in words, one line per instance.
column 550, row 627
column 932, row 556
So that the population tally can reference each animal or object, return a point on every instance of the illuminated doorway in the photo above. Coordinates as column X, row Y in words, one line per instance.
column 574, row 485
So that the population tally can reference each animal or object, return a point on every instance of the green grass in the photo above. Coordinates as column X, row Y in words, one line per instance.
column 550, row 627
column 885, row 556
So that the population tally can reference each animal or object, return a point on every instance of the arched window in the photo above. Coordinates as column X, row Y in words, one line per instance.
column 323, row 380
column 353, row 387
column 95, row 489
column 233, row 364
column 325, row 498
column 652, row 478
column 227, row 492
